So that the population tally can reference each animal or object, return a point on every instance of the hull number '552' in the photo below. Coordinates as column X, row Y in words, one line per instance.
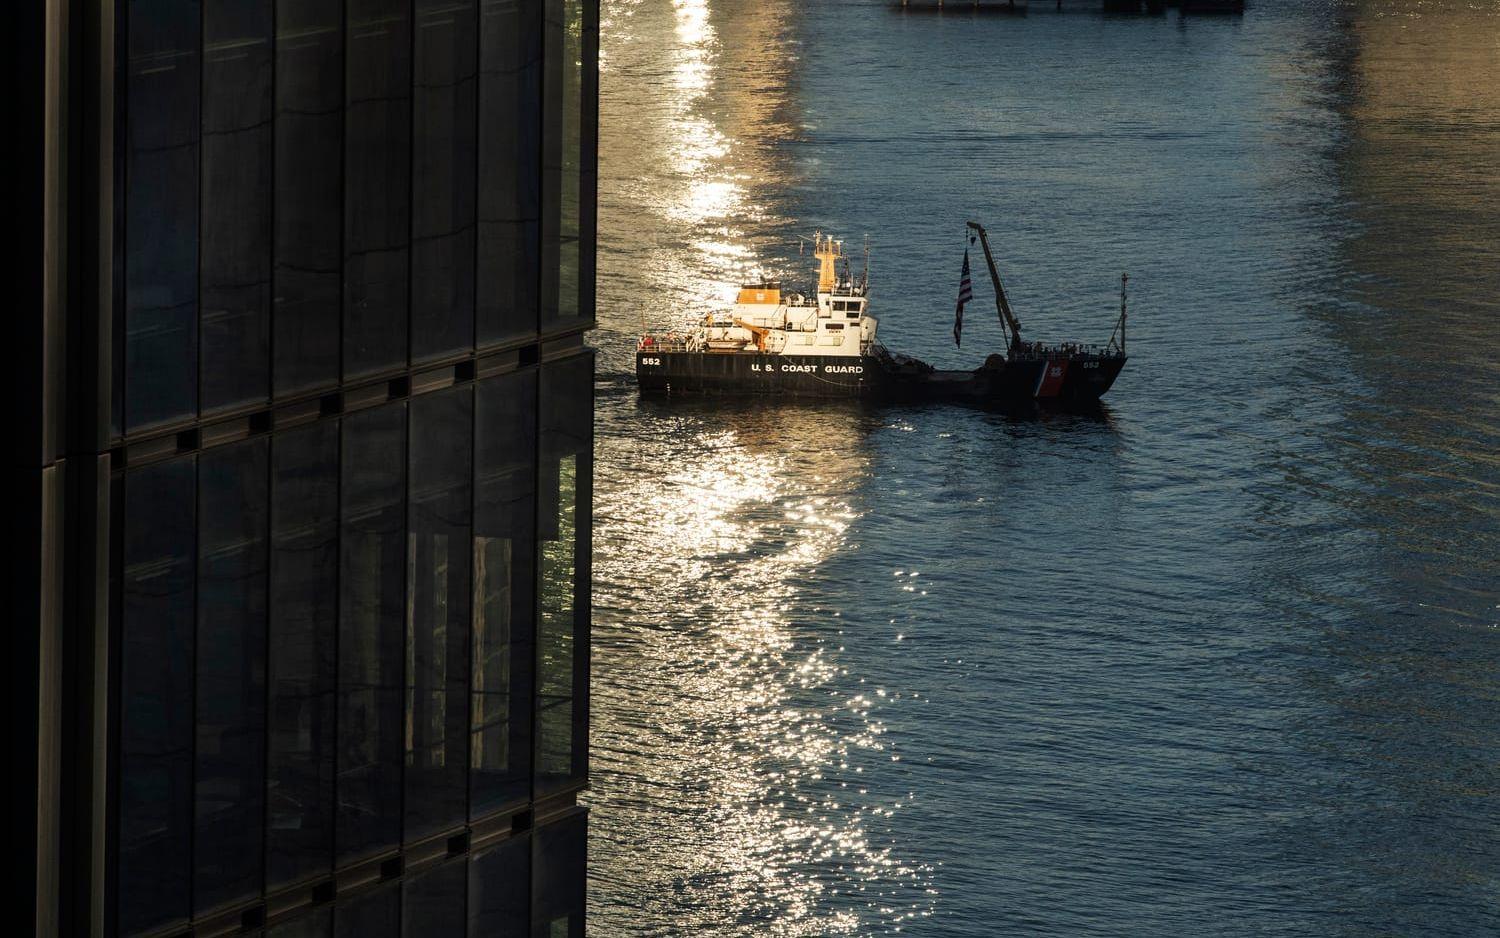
column 650, row 361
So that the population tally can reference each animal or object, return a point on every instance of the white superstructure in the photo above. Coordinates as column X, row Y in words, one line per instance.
column 766, row 320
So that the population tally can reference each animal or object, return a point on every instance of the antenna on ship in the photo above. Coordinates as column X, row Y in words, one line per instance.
column 1120, row 326
column 864, row 283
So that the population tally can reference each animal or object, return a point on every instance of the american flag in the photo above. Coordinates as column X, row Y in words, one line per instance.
column 965, row 294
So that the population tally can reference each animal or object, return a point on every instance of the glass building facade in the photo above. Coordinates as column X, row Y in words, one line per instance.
column 308, row 444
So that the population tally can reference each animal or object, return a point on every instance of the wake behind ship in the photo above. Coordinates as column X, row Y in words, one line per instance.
column 776, row 342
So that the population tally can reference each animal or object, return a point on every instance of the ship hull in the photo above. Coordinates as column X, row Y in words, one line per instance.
column 754, row 373
column 1068, row 380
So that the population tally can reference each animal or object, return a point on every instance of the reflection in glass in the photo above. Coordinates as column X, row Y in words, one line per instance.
column 309, row 192
column 377, row 206
column 510, row 105
column 315, row 924
column 161, row 212
column 230, row 680
column 303, row 622
column 564, row 160
column 570, row 203
column 156, row 694
column 500, row 889
column 372, row 914
column 437, row 611
column 443, row 178
column 565, row 494
column 504, row 522
column 556, row 644
column 493, row 659
column 433, row 901
column 235, row 255
column 372, row 551
column 560, row 870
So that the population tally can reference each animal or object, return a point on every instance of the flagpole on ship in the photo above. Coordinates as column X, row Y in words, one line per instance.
column 965, row 294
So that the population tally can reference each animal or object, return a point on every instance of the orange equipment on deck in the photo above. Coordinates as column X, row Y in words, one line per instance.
column 761, row 333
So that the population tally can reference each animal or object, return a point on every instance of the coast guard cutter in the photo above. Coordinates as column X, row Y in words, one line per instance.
column 777, row 342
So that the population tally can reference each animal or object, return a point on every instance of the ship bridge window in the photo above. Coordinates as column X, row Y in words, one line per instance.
column 835, row 325
column 853, row 315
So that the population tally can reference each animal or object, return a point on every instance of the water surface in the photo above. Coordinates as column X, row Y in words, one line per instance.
column 1223, row 659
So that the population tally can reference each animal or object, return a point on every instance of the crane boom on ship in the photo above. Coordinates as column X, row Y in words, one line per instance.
column 1002, row 302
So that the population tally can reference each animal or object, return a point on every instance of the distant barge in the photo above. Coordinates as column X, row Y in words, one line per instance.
column 825, row 345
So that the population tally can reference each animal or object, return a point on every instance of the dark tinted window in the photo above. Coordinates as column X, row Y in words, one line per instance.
column 309, row 192
column 563, row 163
column 303, row 624
column 437, row 621
column 510, row 128
column 433, row 903
column 558, row 883
column 377, row 157
column 443, row 177
column 315, row 924
column 565, row 491
column 500, row 889
column 231, row 653
column 373, row 914
column 372, row 575
column 161, row 212
column 235, row 323
column 504, row 591
column 156, row 694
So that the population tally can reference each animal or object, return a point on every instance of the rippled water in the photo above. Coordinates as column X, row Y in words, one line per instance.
column 1223, row 660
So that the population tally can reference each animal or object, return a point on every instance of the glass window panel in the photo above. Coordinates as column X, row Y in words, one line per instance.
column 235, row 258
column 443, row 178
column 377, row 216
column 504, row 591
column 510, row 132
column 500, row 890
column 231, row 690
column 557, row 642
column 563, row 163
column 156, row 694
column 309, row 192
column 303, row 623
column 372, row 550
column 565, row 494
column 559, row 874
column 373, row 914
column 161, row 212
column 315, row 924
column 437, row 611
column 433, row 902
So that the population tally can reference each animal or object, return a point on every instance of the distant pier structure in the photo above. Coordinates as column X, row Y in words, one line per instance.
column 1107, row 6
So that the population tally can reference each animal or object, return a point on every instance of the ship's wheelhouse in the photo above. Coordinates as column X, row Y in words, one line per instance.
column 833, row 321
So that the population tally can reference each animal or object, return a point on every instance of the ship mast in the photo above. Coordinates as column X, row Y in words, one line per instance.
column 827, row 251
column 1002, row 302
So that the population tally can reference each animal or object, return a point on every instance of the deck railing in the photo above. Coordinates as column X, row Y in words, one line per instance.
column 1040, row 352
column 667, row 342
